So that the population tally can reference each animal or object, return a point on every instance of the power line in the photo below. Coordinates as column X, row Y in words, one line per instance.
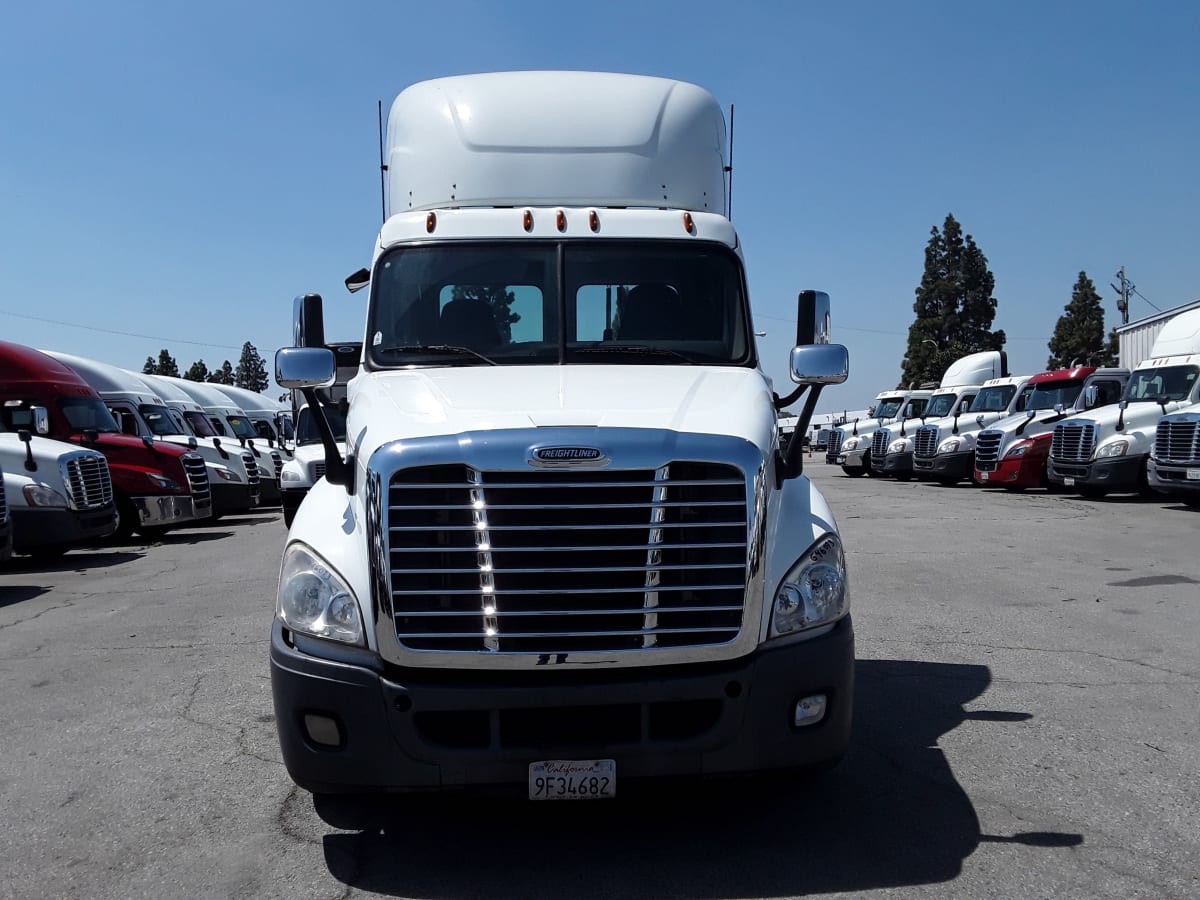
column 1143, row 296
column 902, row 334
column 150, row 337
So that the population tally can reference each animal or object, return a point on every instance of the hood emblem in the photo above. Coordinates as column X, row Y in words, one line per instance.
column 563, row 457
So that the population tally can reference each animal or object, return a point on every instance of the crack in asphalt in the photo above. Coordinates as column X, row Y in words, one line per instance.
column 37, row 615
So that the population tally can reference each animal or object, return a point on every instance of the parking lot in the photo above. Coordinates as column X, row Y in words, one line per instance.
column 1027, row 714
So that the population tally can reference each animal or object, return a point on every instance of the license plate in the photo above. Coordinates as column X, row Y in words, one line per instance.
column 983, row 476
column 1069, row 481
column 573, row 779
column 1193, row 474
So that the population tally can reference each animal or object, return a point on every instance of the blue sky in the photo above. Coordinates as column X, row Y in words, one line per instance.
column 179, row 172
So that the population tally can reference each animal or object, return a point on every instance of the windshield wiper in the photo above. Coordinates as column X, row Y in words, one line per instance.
column 438, row 348
column 637, row 349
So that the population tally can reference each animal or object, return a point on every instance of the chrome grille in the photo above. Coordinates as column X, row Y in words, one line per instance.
column 89, row 482
column 987, row 449
column 1073, row 442
column 879, row 442
column 835, row 441
column 3, row 501
column 277, row 460
column 925, row 443
column 318, row 471
column 197, row 476
column 547, row 562
column 1177, row 440
column 252, row 476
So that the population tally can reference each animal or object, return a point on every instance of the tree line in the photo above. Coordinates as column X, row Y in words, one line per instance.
column 955, row 309
column 251, row 371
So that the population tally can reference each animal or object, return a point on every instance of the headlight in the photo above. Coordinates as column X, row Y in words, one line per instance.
column 1019, row 449
column 814, row 591
column 162, row 481
column 229, row 475
column 1116, row 448
column 313, row 599
column 41, row 495
column 291, row 475
column 898, row 446
column 950, row 446
column 851, row 443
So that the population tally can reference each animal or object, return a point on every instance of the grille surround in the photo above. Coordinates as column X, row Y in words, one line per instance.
column 197, row 477
column 252, row 475
column 879, row 444
column 1177, row 439
column 835, row 442
column 88, row 481
column 1073, row 441
column 987, row 449
column 925, row 442
column 563, row 578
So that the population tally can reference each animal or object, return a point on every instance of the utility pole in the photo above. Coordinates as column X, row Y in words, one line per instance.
column 1127, row 287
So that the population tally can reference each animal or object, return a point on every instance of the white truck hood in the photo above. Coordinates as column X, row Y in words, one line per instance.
column 442, row 401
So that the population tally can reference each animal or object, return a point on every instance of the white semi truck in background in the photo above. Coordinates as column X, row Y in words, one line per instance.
column 1174, row 465
column 850, row 447
column 563, row 548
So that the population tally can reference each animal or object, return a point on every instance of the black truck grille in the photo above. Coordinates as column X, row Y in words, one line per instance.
column 925, row 443
column 567, row 561
column 987, row 449
column 197, row 476
column 318, row 471
column 89, row 482
column 1178, row 440
column 1073, row 442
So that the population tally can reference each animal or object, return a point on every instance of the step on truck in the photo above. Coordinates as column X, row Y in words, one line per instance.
column 232, row 472
column 1012, row 452
column 156, row 486
column 891, row 451
column 58, row 495
column 850, row 447
column 1109, row 449
column 563, row 551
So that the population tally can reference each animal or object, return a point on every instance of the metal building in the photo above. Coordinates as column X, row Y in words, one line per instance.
column 1135, row 339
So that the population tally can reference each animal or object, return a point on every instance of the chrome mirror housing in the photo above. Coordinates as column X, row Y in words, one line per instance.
column 304, row 367
column 819, row 364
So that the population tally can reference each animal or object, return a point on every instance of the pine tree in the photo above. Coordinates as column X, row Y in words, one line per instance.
column 1079, row 334
column 954, row 306
column 498, row 298
column 223, row 375
column 166, row 364
column 198, row 371
column 149, row 368
column 251, row 371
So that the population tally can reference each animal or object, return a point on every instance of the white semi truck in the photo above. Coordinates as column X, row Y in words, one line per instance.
column 1109, row 448
column 563, row 549
column 851, row 447
column 1174, row 466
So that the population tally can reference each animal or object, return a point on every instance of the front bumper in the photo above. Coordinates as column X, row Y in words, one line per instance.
column 159, row 510
column 1114, row 472
column 1173, row 478
column 851, row 459
column 945, row 465
column 233, row 498
column 893, row 464
column 428, row 730
column 1021, row 471
column 37, row 528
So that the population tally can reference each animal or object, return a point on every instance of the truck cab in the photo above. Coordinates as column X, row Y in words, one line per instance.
column 944, row 450
column 156, row 486
column 563, row 549
column 138, row 410
column 1109, row 448
column 1012, row 452
column 1174, row 466
column 851, row 447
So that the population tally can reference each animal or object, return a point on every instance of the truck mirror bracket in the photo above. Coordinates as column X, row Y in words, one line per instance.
column 335, row 466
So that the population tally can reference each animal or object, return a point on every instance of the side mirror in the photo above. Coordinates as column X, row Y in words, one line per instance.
column 1091, row 395
column 1030, row 413
column 813, row 364
column 1124, row 404
column 308, row 321
column 41, row 419
column 358, row 280
column 1058, row 408
column 812, row 318
column 304, row 367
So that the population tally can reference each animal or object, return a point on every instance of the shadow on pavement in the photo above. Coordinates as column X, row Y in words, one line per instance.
column 75, row 560
column 892, row 814
column 12, row 594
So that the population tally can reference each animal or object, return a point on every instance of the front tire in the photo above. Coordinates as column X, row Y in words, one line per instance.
column 1092, row 491
column 127, row 519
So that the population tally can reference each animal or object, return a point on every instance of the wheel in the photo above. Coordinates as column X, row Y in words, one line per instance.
column 127, row 519
column 152, row 532
column 852, row 472
column 946, row 480
column 288, row 515
column 1192, row 500
column 903, row 476
column 1091, row 491
column 49, row 554
column 1015, row 488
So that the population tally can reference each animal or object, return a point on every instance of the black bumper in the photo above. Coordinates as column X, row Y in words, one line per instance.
column 232, row 498
column 1171, row 478
column 946, row 465
column 292, row 498
column 893, row 464
column 428, row 730
column 34, row 529
column 6, row 548
column 1114, row 472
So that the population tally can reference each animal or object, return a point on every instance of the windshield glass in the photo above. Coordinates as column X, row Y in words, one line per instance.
column 940, row 405
column 887, row 409
column 306, row 425
column 158, row 419
column 1166, row 382
column 199, row 423
column 1052, row 393
column 87, row 412
column 241, row 426
column 993, row 399
column 916, row 407
column 521, row 303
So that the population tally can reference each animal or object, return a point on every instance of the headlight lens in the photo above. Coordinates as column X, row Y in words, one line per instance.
column 41, row 495
column 162, row 481
column 228, row 475
column 289, row 474
column 950, row 446
column 1116, row 448
column 851, row 443
column 814, row 591
column 1019, row 449
column 898, row 446
column 314, row 599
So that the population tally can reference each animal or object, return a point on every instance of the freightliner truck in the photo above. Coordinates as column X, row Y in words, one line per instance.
column 563, row 551
column 156, row 486
column 1174, row 467
column 850, row 447
column 1109, row 448
column 1012, row 452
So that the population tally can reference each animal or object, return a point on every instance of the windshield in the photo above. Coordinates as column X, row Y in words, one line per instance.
column 1052, row 393
column 915, row 407
column 158, row 419
column 199, row 423
column 887, row 409
column 241, row 426
column 87, row 413
column 1166, row 382
column 612, row 302
column 993, row 399
column 940, row 405
column 306, row 425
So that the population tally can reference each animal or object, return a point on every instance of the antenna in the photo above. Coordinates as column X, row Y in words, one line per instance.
column 382, row 167
column 729, row 170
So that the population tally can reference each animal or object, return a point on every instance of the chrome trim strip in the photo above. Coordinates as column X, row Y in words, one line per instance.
column 438, row 613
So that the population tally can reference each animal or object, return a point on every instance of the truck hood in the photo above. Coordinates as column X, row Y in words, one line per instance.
column 444, row 401
column 44, row 450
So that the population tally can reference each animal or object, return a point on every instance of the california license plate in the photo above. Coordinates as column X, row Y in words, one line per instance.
column 983, row 476
column 1069, row 481
column 1193, row 474
column 573, row 779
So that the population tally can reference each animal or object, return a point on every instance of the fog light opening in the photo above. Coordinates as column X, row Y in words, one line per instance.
column 809, row 710
column 322, row 730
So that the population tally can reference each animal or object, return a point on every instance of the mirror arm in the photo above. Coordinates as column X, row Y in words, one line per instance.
column 791, row 462
column 785, row 402
column 335, row 466
column 26, row 438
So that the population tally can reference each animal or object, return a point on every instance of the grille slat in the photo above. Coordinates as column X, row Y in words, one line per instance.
column 252, row 476
column 1178, row 441
column 987, row 448
column 925, row 442
column 89, row 482
column 641, row 559
column 1073, row 442
column 835, row 442
column 197, row 476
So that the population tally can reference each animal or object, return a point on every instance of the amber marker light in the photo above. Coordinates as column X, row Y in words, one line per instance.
column 594, row 220
column 561, row 220
column 527, row 220
column 430, row 222
column 688, row 224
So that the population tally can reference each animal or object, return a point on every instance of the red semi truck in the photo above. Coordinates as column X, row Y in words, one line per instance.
column 156, row 485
